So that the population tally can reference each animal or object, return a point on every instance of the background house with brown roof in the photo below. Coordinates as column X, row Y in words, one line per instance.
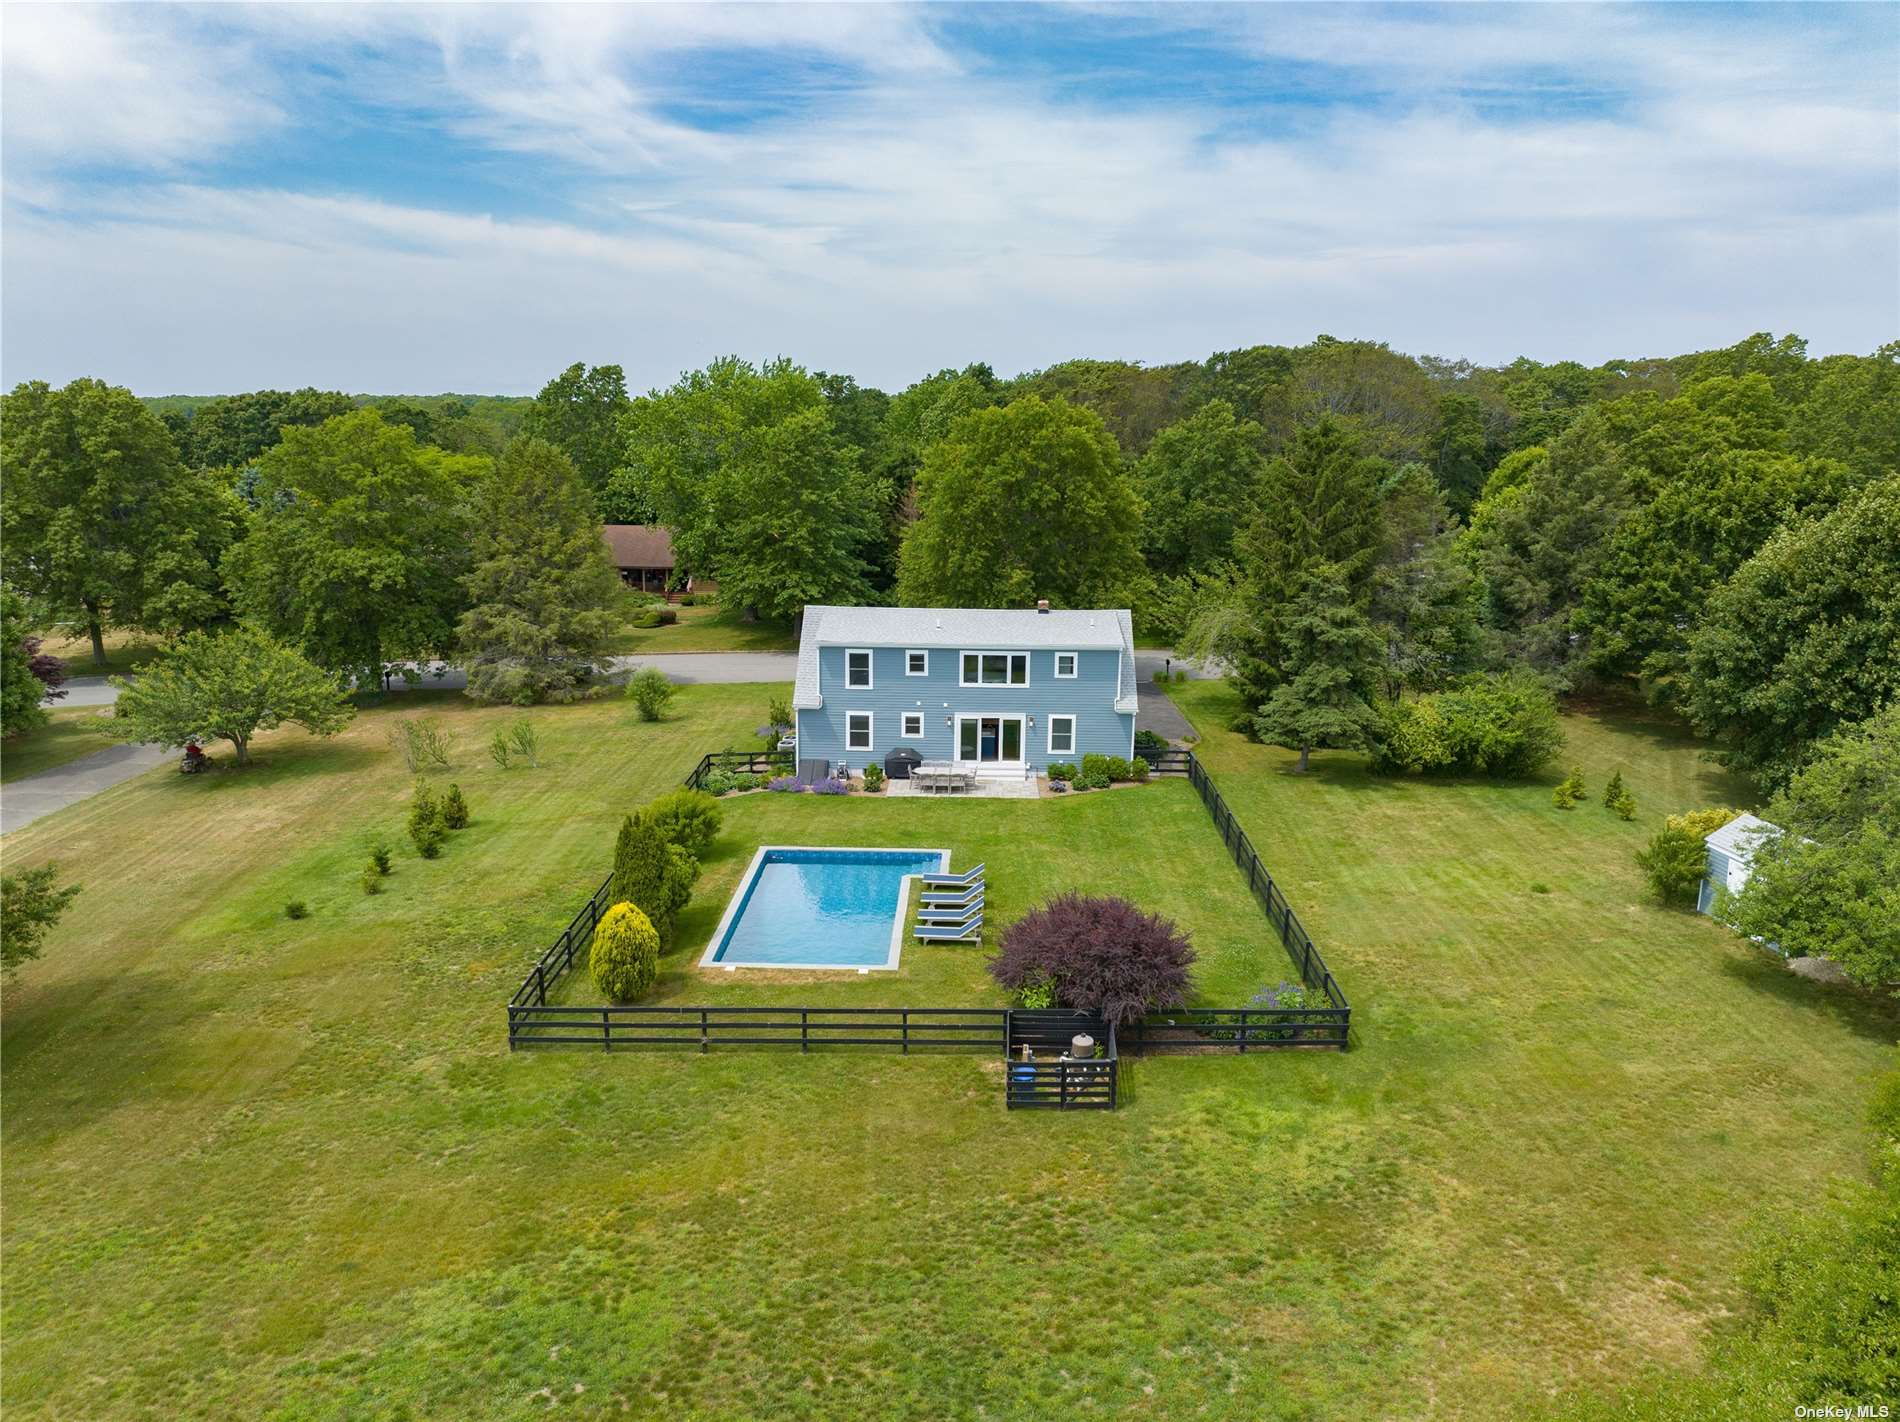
column 643, row 552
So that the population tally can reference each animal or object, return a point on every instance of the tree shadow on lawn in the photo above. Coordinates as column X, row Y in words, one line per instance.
column 1865, row 1012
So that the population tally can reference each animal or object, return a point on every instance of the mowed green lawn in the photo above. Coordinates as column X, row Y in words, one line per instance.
column 701, row 628
column 262, row 1168
column 70, row 734
column 1153, row 844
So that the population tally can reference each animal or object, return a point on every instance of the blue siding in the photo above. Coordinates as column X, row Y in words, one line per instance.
column 1089, row 697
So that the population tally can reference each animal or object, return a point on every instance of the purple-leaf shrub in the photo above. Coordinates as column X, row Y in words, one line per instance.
column 1102, row 954
column 50, row 670
column 785, row 785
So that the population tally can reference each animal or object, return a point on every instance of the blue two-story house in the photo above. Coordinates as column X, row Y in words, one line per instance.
column 1000, row 690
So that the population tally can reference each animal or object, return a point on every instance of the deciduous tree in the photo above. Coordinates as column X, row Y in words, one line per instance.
column 579, row 412
column 1197, row 484
column 1804, row 638
column 102, row 523
column 360, row 545
column 31, row 904
column 229, row 686
column 1019, row 502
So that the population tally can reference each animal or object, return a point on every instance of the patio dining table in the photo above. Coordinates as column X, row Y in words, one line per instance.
column 939, row 775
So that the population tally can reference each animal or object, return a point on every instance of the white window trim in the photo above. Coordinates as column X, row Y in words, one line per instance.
column 916, row 652
column 870, row 731
column 1075, row 666
column 992, row 685
column 1052, row 718
column 870, row 663
column 904, row 724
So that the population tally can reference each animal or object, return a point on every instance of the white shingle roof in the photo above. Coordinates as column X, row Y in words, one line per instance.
column 1740, row 836
column 999, row 628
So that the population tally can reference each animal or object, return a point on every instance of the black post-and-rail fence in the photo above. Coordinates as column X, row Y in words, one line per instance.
column 739, row 762
column 1041, row 1082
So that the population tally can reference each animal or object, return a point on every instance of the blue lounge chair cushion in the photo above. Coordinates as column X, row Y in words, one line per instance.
column 949, row 933
column 968, row 876
column 956, row 915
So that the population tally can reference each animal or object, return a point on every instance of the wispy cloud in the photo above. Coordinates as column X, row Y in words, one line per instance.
column 885, row 190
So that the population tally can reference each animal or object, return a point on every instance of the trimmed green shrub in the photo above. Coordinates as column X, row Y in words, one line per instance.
column 296, row 908
column 1061, row 770
column 688, row 818
column 1147, row 742
column 427, row 828
column 654, row 873
column 1093, row 764
column 655, row 617
column 1119, row 769
column 379, row 858
column 1138, row 769
column 1501, row 724
column 1617, row 798
column 455, row 809
column 873, row 778
column 1091, row 780
column 625, row 957
column 372, row 881
column 1676, row 857
column 651, row 693
column 1570, row 790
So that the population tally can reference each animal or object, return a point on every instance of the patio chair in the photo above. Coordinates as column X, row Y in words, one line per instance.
column 968, row 896
column 971, row 932
column 963, row 913
column 957, row 881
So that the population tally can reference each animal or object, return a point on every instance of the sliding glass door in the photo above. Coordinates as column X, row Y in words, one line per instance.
column 990, row 740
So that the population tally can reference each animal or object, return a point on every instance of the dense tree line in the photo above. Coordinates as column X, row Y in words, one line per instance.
column 1670, row 524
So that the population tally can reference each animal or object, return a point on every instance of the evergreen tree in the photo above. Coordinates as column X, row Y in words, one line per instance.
column 641, row 865
column 1318, row 503
column 542, row 587
column 1324, row 700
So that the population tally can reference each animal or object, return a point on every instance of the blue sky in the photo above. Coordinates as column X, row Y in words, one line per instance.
column 471, row 197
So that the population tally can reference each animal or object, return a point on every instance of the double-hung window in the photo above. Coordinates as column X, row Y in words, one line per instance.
column 1065, row 665
column 913, row 725
column 916, row 663
column 857, row 669
column 857, row 730
column 1062, row 735
column 995, row 669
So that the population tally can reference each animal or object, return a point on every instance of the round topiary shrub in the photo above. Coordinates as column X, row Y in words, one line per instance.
column 625, row 958
column 1100, row 954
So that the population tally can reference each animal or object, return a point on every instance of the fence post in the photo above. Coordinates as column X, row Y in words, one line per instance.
column 540, row 986
column 1243, row 1031
column 1062, row 1086
column 606, row 1032
column 702, row 1029
column 1006, row 1033
column 804, row 1029
column 903, row 1024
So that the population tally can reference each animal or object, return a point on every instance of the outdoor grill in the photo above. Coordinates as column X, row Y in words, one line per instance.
column 900, row 762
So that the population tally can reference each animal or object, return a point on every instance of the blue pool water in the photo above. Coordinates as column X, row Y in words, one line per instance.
column 814, row 908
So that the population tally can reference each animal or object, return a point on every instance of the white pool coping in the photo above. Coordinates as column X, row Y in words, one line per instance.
column 746, row 880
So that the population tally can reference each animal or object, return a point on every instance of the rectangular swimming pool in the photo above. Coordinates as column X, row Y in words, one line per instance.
column 820, row 908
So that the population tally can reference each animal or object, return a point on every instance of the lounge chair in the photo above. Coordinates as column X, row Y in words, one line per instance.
column 954, row 881
column 969, row 932
column 950, row 900
column 962, row 913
